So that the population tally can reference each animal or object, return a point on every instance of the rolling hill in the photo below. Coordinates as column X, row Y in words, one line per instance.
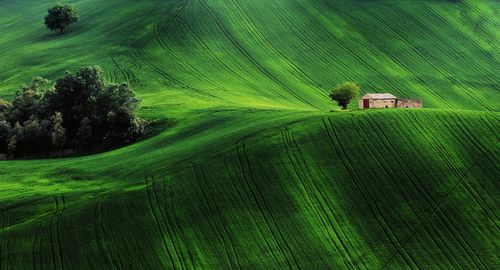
column 255, row 172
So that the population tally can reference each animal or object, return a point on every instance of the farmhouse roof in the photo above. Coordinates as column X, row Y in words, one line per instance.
column 379, row 96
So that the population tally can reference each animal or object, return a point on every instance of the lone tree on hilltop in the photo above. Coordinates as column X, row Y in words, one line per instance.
column 61, row 16
column 344, row 93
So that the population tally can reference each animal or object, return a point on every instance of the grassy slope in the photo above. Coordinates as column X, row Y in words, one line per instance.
column 256, row 173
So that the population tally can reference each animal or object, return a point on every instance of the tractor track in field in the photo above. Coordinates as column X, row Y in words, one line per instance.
column 242, row 199
column 252, row 28
column 386, row 166
column 477, row 198
column 209, row 52
column 438, row 206
column 213, row 210
column 325, row 214
column 56, row 247
column 367, row 196
column 464, row 36
column 339, row 44
column 446, row 220
column 150, row 196
column 169, row 223
column 414, row 179
column 305, row 38
column 112, row 246
column 169, row 204
column 464, row 244
column 36, row 249
column 259, row 198
column 100, row 232
column 4, row 237
column 162, row 27
column 400, row 63
column 409, row 17
column 487, row 122
column 244, row 52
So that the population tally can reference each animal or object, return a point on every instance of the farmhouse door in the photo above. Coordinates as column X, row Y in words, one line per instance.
column 366, row 103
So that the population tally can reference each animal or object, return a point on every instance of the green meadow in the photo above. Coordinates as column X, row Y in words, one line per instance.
column 257, row 168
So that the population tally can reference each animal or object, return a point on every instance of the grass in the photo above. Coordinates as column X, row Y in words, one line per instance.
column 257, row 172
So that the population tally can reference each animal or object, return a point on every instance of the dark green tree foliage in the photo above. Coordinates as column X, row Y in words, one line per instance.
column 344, row 93
column 61, row 16
column 80, row 112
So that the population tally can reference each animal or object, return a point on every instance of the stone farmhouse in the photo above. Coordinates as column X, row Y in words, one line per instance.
column 387, row 100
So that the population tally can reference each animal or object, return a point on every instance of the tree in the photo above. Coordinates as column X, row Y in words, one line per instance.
column 5, row 108
column 58, row 132
column 80, row 112
column 27, row 101
column 5, row 134
column 61, row 16
column 344, row 93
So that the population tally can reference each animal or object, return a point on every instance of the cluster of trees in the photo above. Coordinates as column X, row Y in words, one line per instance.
column 79, row 113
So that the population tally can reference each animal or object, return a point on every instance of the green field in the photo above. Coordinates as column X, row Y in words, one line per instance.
column 255, row 172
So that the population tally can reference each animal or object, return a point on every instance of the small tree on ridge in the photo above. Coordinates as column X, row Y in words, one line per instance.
column 344, row 93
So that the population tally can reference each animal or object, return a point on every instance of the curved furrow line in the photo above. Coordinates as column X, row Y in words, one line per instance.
column 321, row 216
column 361, row 45
column 4, row 258
column 437, row 208
column 236, row 44
column 450, row 77
column 324, row 199
column 259, row 200
column 53, row 235
column 470, row 137
column 212, row 211
column 169, row 78
column 493, row 128
column 221, row 63
column 254, row 29
column 185, row 65
column 325, row 217
column 390, row 54
column 113, row 245
column 160, row 29
column 347, row 68
column 427, row 198
column 387, row 169
column 487, row 209
column 420, row 189
column 446, row 220
column 62, row 206
column 172, row 220
column 456, row 31
column 367, row 196
column 156, row 219
column 437, row 144
column 481, row 20
column 402, row 64
column 36, row 249
column 178, row 254
column 255, row 62
column 305, row 41
column 99, row 233
column 122, row 71
column 240, row 196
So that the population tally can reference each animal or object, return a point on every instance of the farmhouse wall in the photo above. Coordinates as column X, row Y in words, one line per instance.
column 409, row 103
column 383, row 103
